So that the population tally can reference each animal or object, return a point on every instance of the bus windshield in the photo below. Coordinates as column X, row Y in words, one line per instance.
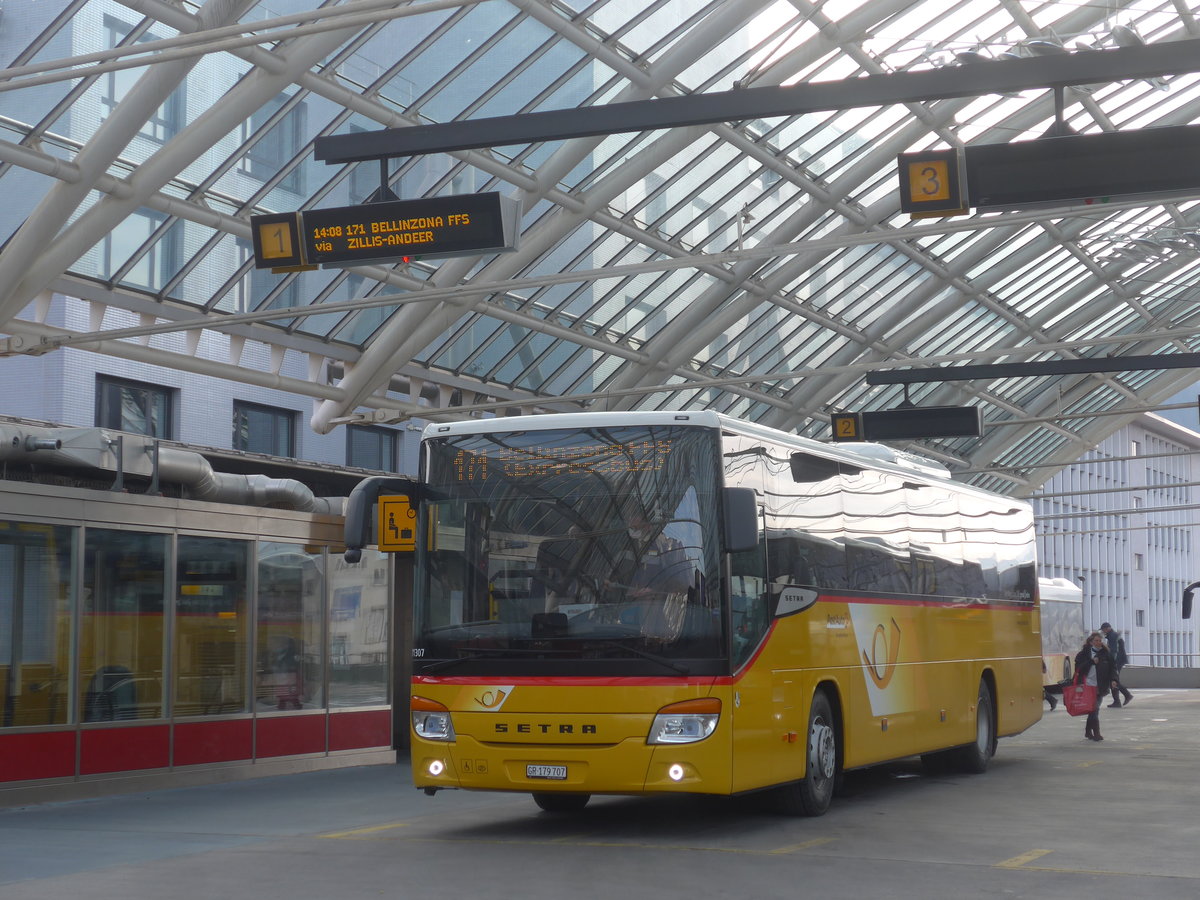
column 576, row 551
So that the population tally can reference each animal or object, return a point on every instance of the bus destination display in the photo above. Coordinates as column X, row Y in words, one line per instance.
column 542, row 462
column 376, row 232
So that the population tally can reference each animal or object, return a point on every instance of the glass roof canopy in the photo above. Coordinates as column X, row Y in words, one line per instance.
column 759, row 268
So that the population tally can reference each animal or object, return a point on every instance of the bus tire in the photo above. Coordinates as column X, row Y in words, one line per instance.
column 812, row 796
column 974, row 757
column 561, row 803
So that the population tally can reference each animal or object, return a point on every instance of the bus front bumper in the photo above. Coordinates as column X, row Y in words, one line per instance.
column 630, row 766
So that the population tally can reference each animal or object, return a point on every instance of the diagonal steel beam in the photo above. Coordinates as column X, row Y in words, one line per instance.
column 970, row 80
column 1082, row 366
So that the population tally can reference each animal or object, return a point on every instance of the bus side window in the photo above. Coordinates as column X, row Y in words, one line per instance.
column 751, row 615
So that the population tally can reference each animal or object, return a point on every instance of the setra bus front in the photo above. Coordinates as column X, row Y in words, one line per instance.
column 571, row 631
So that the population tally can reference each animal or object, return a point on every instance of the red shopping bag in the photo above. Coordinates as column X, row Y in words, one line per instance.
column 1079, row 699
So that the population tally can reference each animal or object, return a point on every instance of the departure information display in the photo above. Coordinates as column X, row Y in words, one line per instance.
column 544, row 461
column 375, row 232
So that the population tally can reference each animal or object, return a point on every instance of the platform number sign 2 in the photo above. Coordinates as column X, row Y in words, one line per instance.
column 846, row 426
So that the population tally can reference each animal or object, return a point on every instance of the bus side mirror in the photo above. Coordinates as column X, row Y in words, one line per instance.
column 741, row 519
column 1187, row 600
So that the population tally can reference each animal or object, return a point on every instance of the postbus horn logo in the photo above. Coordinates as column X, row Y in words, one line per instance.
column 882, row 648
column 494, row 698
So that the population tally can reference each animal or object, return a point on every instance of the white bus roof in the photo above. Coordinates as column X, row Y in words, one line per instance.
column 868, row 454
column 1060, row 589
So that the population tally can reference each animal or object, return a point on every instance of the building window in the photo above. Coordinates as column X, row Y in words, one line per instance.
column 371, row 448
column 166, row 121
column 251, row 291
column 137, row 408
column 264, row 429
column 364, row 176
column 279, row 143
column 1139, row 618
column 136, row 253
column 1139, row 562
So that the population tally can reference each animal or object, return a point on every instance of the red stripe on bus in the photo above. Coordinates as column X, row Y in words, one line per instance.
column 573, row 680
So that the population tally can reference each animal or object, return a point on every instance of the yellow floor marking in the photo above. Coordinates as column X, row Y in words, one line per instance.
column 1017, row 861
column 637, row 845
column 1088, row 765
column 371, row 830
column 815, row 842
column 573, row 838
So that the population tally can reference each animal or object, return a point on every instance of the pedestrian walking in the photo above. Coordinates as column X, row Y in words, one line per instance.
column 1116, row 650
column 1094, row 666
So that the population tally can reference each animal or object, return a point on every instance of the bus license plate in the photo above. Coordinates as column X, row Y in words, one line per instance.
column 556, row 773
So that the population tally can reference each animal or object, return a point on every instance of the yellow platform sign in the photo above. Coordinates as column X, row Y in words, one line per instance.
column 846, row 426
column 397, row 531
column 932, row 183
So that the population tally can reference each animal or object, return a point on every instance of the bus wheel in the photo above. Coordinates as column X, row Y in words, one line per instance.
column 561, row 803
column 812, row 796
column 974, row 758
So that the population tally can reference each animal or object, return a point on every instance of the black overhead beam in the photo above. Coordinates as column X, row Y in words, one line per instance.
column 994, row 371
column 966, row 80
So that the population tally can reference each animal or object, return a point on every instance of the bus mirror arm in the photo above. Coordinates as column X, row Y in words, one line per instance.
column 741, row 519
column 360, row 509
column 1187, row 599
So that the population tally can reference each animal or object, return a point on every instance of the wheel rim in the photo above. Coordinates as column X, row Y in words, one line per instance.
column 983, row 728
column 822, row 750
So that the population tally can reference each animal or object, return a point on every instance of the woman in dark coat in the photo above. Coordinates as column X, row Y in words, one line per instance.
column 1094, row 666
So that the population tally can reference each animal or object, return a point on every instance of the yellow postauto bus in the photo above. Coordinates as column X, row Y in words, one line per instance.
column 644, row 603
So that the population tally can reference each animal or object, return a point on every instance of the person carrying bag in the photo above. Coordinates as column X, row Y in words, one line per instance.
column 1093, row 668
column 1079, row 698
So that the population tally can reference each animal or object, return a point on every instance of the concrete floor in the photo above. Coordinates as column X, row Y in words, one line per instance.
column 1056, row 817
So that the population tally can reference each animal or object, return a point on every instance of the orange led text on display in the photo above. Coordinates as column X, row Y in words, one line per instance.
column 540, row 462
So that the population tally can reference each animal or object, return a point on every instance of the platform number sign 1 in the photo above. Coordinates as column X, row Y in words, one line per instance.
column 277, row 240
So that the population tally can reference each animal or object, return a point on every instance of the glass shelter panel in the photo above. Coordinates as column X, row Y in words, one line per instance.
column 35, row 623
column 121, row 639
column 359, row 600
column 212, row 627
column 291, row 603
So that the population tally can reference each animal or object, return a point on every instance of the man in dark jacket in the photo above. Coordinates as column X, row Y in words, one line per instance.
column 1116, row 649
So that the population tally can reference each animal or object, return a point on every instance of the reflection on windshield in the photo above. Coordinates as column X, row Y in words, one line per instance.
column 587, row 560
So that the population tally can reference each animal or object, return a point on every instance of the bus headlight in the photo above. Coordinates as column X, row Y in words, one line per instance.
column 686, row 722
column 431, row 720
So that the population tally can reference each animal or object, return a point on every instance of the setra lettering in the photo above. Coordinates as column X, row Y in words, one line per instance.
column 542, row 728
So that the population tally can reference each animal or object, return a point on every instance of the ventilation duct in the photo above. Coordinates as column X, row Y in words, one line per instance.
column 97, row 449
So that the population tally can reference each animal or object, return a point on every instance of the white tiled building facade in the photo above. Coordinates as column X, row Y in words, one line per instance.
column 1122, row 523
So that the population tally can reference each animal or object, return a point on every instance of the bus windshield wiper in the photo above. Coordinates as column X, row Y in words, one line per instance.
column 489, row 653
column 443, row 664
column 645, row 654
